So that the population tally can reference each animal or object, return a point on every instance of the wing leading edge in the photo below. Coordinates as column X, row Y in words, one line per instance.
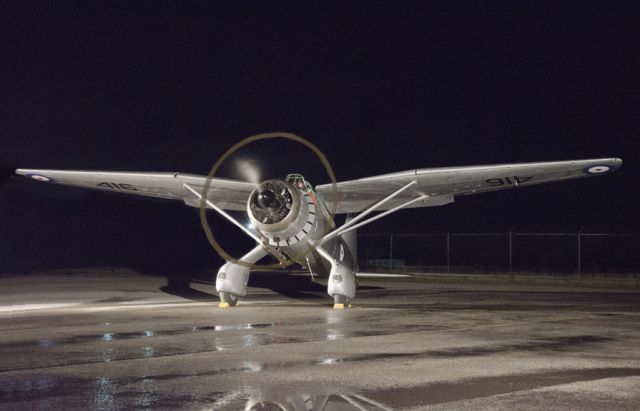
column 226, row 194
column 443, row 184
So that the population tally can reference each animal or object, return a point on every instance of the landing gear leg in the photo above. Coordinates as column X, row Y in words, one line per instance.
column 232, row 278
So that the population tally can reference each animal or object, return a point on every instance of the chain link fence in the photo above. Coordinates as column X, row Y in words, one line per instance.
column 502, row 253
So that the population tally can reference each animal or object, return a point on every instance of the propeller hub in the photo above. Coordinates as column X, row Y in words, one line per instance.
column 268, row 199
column 272, row 201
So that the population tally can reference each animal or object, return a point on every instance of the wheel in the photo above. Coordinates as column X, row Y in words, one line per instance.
column 341, row 301
column 227, row 300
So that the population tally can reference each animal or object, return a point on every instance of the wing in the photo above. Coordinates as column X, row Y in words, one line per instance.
column 226, row 194
column 443, row 184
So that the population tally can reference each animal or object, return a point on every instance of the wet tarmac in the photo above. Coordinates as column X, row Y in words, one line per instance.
column 113, row 339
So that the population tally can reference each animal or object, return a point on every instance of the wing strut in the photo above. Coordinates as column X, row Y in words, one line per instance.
column 343, row 230
column 351, row 225
column 377, row 205
column 224, row 214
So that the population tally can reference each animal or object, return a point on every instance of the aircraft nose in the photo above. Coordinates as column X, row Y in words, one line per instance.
column 268, row 199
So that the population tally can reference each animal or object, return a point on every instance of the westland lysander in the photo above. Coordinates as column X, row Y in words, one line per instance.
column 291, row 219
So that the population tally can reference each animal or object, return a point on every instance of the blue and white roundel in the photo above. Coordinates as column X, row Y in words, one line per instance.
column 599, row 169
column 40, row 178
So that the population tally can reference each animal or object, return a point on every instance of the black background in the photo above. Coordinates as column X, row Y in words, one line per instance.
column 378, row 86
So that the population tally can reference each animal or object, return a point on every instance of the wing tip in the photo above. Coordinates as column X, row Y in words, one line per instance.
column 26, row 172
column 38, row 175
column 616, row 162
column 602, row 166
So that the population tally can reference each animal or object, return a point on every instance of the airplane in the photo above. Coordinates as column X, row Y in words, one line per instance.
column 292, row 220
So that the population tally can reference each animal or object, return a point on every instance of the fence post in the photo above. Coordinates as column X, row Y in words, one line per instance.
column 511, row 253
column 580, row 253
column 390, row 251
column 448, row 252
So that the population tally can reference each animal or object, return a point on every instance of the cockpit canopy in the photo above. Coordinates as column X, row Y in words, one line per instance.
column 298, row 181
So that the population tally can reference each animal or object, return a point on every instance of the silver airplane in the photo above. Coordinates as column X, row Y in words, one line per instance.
column 291, row 220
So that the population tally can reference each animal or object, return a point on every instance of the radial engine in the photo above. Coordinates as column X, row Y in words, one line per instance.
column 287, row 214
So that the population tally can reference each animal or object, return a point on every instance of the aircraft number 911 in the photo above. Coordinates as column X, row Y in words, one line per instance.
column 515, row 180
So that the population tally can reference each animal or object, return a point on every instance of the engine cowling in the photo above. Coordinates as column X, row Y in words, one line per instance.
column 281, row 212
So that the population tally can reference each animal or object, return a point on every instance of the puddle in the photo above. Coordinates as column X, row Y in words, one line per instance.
column 114, row 336
column 550, row 344
column 152, row 392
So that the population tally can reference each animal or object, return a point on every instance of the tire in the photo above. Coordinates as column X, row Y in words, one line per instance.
column 229, row 298
column 341, row 299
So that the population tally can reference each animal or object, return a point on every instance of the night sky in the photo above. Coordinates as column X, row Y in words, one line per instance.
column 378, row 86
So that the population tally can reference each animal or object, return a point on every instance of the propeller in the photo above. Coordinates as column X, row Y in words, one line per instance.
column 248, row 170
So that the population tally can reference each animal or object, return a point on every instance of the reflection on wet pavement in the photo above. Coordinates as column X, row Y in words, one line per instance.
column 551, row 344
column 402, row 347
column 212, row 338
column 104, row 394
column 145, row 393
column 142, row 392
column 266, row 399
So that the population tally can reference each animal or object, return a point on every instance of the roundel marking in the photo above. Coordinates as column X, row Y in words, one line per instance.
column 40, row 178
column 597, row 169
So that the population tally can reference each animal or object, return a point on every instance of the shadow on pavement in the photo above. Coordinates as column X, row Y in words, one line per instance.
column 189, row 293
